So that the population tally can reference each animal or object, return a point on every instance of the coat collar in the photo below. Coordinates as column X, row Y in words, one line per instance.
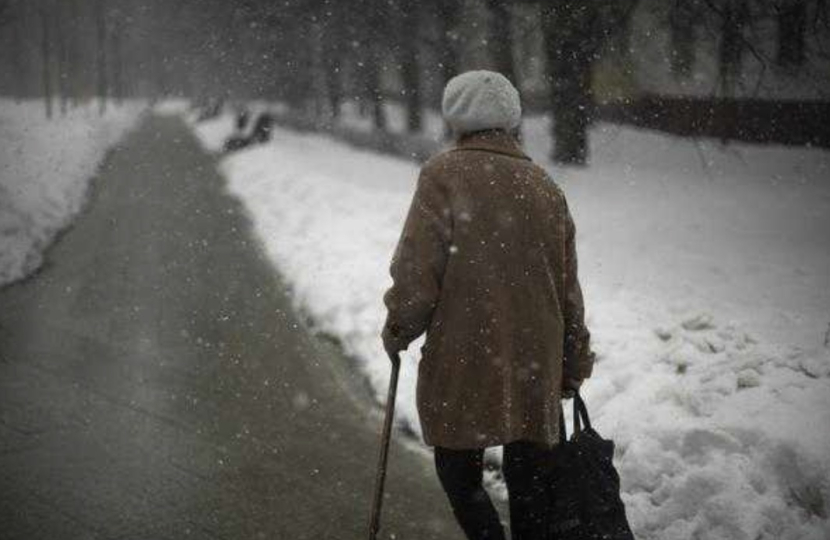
column 491, row 140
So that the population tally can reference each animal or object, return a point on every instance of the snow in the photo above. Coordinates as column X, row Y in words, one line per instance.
column 706, row 273
column 213, row 132
column 172, row 107
column 45, row 170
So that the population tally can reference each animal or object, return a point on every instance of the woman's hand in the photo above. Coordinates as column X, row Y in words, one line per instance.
column 570, row 387
column 392, row 342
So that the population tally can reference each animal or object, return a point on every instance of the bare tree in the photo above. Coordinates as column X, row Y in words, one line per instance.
column 45, row 13
column 375, row 42
column 333, row 36
column 574, row 32
column 447, row 16
column 792, row 28
column 14, row 19
column 569, row 45
column 61, row 56
column 682, row 33
column 408, row 48
column 740, row 24
column 501, row 43
column 73, row 49
column 117, row 68
column 101, row 54
column 735, row 15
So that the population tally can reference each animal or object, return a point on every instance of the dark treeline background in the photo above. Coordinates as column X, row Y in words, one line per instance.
column 315, row 55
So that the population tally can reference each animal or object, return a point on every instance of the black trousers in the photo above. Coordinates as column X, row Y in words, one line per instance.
column 461, row 474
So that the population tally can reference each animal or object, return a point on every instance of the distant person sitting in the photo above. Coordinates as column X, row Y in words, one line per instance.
column 256, row 132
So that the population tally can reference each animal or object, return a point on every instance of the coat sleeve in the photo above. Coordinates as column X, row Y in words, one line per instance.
column 418, row 264
column 578, row 357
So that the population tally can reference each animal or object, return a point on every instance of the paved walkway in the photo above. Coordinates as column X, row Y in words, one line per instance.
column 154, row 383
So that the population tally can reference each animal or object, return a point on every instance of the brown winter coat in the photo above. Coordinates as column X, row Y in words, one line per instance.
column 486, row 266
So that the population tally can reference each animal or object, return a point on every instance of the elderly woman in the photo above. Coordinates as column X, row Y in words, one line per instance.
column 486, row 266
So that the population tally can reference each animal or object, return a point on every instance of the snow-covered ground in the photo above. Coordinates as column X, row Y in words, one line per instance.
column 45, row 169
column 706, row 271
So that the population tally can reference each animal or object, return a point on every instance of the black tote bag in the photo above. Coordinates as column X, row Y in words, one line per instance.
column 582, row 486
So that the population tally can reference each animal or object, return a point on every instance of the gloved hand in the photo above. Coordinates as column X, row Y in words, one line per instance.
column 392, row 344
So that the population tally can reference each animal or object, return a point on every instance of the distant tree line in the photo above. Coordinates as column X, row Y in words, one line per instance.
column 318, row 54
column 743, row 28
column 60, row 50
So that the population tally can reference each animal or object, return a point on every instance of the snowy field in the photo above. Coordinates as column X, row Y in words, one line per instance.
column 45, row 169
column 706, row 271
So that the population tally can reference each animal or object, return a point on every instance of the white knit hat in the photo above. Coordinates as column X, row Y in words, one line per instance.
column 478, row 100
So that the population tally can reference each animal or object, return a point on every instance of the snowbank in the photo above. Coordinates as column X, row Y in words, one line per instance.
column 45, row 168
column 172, row 107
column 707, row 281
column 213, row 133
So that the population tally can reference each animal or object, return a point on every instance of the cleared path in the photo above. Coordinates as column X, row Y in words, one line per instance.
column 155, row 384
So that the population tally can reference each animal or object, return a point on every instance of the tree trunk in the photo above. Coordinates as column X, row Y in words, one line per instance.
column 334, row 87
column 374, row 87
column 73, row 52
column 299, row 56
column 333, row 36
column 682, row 34
column 62, row 57
column 101, row 55
column 46, row 56
column 730, row 53
column 448, row 47
column 792, row 24
column 374, row 39
column 411, row 81
column 116, row 61
column 501, row 42
column 409, row 44
column 569, row 47
column 318, row 68
column 21, row 52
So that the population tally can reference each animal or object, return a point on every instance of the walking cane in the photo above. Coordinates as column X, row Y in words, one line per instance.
column 374, row 523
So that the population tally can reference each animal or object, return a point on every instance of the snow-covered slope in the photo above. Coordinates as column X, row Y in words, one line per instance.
column 706, row 272
column 45, row 169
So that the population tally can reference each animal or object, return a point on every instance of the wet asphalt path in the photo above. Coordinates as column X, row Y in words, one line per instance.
column 154, row 383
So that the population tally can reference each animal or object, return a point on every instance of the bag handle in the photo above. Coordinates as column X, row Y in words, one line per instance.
column 580, row 412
